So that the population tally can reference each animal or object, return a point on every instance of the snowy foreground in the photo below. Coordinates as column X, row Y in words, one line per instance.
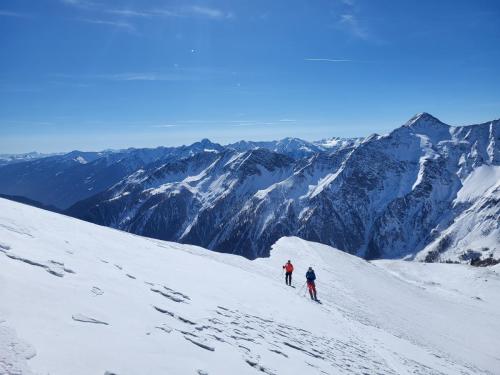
column 80, row 299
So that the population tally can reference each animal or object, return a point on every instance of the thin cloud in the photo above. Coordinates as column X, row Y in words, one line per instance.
column 8, row 13
column 117, row 24
column 19, row 88
column 189, row 11
column 287, row 120
column 180, row 11
column 129, row 13
column 351, row 24
column 243, row 121
column 80, row 3
column 349, row 21
column 208, row 12
column 328, row 60
column 165, row 126
column 178, row 75
column 144, row 77
column 256, row 123
column 27, row 122
column 132, row 77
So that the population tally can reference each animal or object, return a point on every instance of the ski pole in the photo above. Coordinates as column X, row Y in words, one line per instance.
column 300, row 289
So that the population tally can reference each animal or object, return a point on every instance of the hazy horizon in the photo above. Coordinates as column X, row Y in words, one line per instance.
column 228, row 140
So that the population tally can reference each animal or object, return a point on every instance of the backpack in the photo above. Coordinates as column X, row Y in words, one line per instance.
column 310, row 275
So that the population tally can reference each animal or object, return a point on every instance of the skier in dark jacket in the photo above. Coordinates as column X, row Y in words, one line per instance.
column 310, row 277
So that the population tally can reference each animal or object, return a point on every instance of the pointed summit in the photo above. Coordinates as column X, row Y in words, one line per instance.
column 206, row 141
column 424, row 120
column 205, row 145
column 426, row 124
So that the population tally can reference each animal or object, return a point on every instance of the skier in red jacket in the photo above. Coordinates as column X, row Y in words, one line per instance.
column 288, row 267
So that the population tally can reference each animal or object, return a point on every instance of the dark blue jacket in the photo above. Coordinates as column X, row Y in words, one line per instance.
column 310, row 276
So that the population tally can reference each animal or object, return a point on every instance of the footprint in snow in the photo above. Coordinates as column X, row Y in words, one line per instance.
column 167, row 295
column 60, row 266
column 53, row 267
column 86, row 319
column 259, row 367
column 4, row 247
column 178, row 317
column 164, row 328
column 279, row 352
column 14, row 352
column 97, row 291
column 201, row 345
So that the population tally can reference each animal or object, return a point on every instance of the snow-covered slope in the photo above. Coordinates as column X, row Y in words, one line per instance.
column 474, row 233
column 77, row 298
column 337, row 143
column 295, row 147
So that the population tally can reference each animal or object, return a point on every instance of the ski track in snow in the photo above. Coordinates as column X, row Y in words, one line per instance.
column 51, row 266
column 14, row 353
column 86, row 319
column 245, row 322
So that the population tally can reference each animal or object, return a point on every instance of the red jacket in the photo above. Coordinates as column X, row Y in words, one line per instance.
column 288, row 267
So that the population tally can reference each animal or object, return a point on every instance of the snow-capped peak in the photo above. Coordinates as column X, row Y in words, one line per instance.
column 428, row 126
column 206, row 142
column 424, row 119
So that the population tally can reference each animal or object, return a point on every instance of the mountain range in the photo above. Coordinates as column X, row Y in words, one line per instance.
column 425, row 191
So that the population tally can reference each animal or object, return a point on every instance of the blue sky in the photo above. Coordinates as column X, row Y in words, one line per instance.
column 78, row 74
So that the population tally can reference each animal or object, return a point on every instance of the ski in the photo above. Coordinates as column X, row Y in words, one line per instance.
column 317, row 301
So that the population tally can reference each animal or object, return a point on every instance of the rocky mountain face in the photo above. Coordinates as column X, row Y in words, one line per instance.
column 425, row 191
column 190, row 200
